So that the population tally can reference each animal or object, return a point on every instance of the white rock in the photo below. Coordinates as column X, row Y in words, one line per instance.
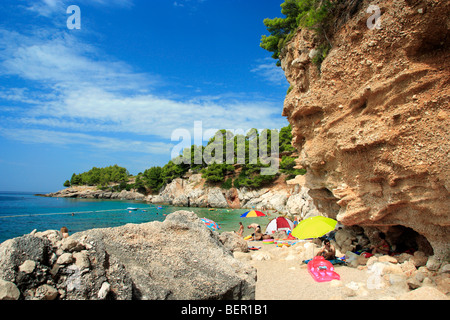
column 261, row 256
column 47, row 292
column 433, row 264
column 65, row 258
column 104, row 290
column 81, row 260
column 27, row 267
column 8, row 291
column 336, row 283
column 352, row 285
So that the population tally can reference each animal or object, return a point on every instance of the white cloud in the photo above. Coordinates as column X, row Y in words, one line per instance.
column 87, row 93
column 192, row 4
column 48, row 8
column 52, row 137
column 268, row 70
column 64, row 61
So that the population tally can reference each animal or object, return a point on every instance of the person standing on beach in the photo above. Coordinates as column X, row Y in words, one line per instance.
column 254, row 226
column 257, row 228
column 241, row 229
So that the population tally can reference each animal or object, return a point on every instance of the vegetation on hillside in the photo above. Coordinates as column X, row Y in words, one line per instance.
column 100, row 176
column 240, row 167
column 310, row 14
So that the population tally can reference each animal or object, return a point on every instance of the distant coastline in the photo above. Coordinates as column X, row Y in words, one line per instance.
column 284, row 197
column 25, row 192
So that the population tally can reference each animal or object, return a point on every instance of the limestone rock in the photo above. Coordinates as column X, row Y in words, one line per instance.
column 65, row 258
column 371, row 127
column 28, row 266
column 104, row 290
column 433, row 264
column 216, row 198
column 14, row 252
column 424, row 293
column 8, row 291
column 81, row 260
column 47, row 292
column 179, row 258
column 233, row 242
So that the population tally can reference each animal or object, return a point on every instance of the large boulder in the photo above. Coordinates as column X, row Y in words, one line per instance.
column 14, row 253
column 216, row 199
column 233, row 242
column 178, row 259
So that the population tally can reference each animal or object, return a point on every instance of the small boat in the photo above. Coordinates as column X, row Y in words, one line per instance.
column 132, row 209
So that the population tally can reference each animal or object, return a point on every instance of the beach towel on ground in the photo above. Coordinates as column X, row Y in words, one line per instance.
column 333, row 262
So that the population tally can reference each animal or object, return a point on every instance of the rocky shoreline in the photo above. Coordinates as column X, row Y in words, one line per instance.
column 178, row 259
column 181, row 259
column 286, row 198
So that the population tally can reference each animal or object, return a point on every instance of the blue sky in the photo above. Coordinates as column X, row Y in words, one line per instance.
column 114, row 91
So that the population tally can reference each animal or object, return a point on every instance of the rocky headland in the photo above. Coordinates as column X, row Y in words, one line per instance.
column 289, row 198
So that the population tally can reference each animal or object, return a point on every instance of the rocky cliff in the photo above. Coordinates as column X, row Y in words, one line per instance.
column 287, row 198
column 372, row 126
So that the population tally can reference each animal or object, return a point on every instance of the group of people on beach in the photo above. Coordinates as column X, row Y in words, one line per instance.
column 257, row 235
column 328, row 251
column 381, row 246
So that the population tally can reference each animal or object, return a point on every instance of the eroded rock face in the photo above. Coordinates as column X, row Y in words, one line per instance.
column 372, row 127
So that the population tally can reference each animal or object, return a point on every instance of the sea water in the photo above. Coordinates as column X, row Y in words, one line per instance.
column 21, row 213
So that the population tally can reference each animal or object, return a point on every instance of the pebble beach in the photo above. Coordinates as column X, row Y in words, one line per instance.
column 281, row 275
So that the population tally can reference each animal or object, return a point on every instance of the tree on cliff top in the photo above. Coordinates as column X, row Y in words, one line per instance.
column 311, row 14
column 100, row 176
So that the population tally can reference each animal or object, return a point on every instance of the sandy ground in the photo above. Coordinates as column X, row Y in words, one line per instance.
column 278, row 279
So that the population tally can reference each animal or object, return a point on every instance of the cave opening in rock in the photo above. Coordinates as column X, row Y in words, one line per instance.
column 404, row 239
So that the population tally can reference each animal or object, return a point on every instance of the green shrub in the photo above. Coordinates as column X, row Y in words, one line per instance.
column 311, row 14
column 227, row 184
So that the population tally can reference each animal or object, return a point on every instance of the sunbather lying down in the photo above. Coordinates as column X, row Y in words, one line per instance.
column 257, row 236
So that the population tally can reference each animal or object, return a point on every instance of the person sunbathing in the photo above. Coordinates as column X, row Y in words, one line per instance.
column 258, row 236
column 382, row 247
column 328, row 251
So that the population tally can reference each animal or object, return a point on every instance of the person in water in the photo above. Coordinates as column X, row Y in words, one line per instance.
column 241, row 229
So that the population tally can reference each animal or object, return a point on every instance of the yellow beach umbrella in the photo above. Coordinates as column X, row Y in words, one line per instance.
column 314, row 227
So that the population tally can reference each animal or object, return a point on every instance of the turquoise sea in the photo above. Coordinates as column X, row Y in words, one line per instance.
column 21, row 213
